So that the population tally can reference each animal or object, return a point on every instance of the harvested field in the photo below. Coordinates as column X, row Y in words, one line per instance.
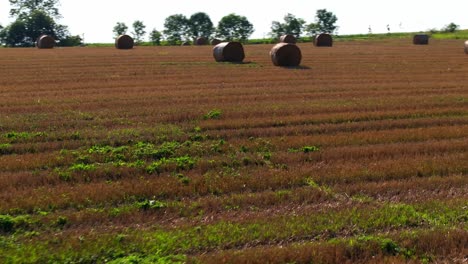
column 359, row 155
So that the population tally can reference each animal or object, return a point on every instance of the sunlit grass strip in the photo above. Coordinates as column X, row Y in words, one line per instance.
column 316, row 226
column 397, row 247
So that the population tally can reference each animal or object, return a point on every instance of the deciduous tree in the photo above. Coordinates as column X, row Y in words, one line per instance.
column 292, row 25
column 324, row 23
column 234, row 27
column 14, row 34
column 138, row 31
column 200, row 25
column 155, row 37
column 120, row 29
column 452, row 27
column 34, row 18
column 176, row 28
column 21, row 8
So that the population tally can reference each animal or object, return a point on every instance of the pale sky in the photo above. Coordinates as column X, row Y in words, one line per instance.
column 96, row 18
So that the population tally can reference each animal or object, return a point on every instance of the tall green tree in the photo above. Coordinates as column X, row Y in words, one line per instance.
column 34, row 18
column 14, row 35
column 138, row 31
column 155, row 37
column 24, row 31
column 450, row 28
column 234, row 27
column 292, row 25
column 176, row 29
column 200, row 25
column 20, row 8
column 324, row 23
column 38, row 23
column 120, row 29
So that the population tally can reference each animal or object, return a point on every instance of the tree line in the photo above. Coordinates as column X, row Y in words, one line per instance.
column 34, row 18
column 179, row 28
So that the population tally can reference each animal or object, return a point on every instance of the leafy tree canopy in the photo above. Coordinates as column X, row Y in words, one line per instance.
column 120, row 29
column 155, row 37
column 176, row 28
column 452, row 27
column 34, row 18
column 14, row 35
column 291, row 25
column 24, row 31
column 138, row 30
column 324, row 23
column 22, row 8
column 234, row 27
column 200, row 25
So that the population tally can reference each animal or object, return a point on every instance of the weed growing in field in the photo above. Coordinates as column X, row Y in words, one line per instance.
column 5, row 148
column 9, row 224
column 362, row 198
column 61, row 221
column 155, row 257
column 15, row 137
column 305, row 149
column 177, row 163
column 85, row 116
column 6, row 223
column 64, row 175
column 184, row 162
column 217, row 147
column 154, row 167
column 111, row 154
column 82, row 167
column 76, row 135
column 213, row 114
column 150, row 204
column 83, row 159
column 183, row 179
column 310, row 182
column 144, row 150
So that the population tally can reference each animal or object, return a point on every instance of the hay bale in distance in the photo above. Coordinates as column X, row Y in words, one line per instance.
column 215, row 42
column 323, row 40
column 466, row 47
column 45, row 42
column 124, row 42
column 286, row 54
column 288, row 39
column 229, row 52
column 201, row 41
column 421, row 39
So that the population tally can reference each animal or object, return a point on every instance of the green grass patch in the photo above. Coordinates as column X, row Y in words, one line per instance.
column 5, row 148
column 362, row 222
column 213, row 114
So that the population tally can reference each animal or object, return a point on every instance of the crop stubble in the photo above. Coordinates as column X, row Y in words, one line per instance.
column 389, row 119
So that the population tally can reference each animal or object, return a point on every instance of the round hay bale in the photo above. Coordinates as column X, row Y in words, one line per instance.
column 466, row 47
column 323, row 40
column 288, row 39
column 229, row 52
column 421, row 39
column 215, row 42
column 186, row 43
column 124, row 42
column 286, row 54
column 45, row 42
column 201, row 41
